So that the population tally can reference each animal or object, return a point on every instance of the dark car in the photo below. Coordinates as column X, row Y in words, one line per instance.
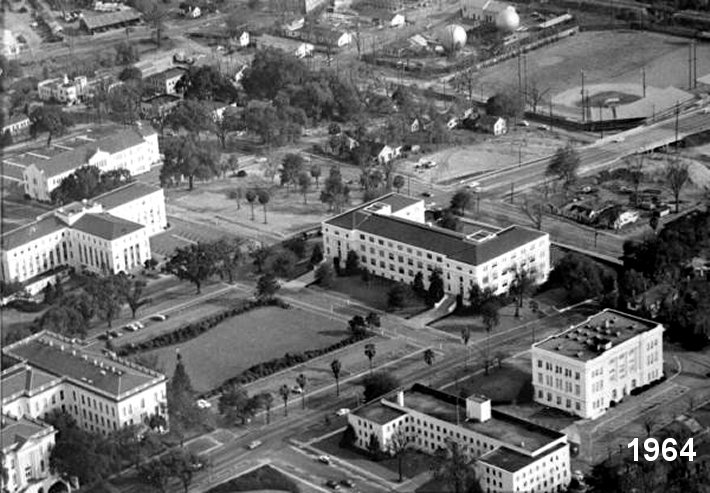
column 332, row 484
column 426, row 194
column 347, row 483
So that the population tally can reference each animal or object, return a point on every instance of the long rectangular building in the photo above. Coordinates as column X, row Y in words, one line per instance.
column 511, row 454
column 107, row 234
column 596, row 363
column 393, row 240
column 102, row 393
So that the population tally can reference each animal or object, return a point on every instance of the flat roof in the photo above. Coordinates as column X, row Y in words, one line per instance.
column 503, row 427
column 378, row 413
column 597, row 334
column 124, row 194
column 454, row 245
column 106, row 226
column 18, row 431
column 56, row 355
column 30, row 232
column 511, row 460
column 25, row 379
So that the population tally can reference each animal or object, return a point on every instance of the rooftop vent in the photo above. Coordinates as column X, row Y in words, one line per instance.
column 580, row 354
column 73, row 352
column 96, row 363
column 103, row 372
column 84, row 357
column 51, row 343
column 617, row 333
column 559, row 347
column 61, row 348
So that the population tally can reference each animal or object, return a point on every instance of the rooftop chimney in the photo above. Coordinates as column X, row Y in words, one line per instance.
column 400, row 398
column 478, row 407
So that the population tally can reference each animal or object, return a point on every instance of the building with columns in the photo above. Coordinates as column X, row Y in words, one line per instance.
column 597, row 362
column 393, row 240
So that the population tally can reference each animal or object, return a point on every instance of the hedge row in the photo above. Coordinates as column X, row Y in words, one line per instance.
column 26, row 306
column 286, row 361
column 194, row 329
column 644, row 388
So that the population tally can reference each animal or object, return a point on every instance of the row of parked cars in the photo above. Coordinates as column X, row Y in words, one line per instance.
column 132, row 327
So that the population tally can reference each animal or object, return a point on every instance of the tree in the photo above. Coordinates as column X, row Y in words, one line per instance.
column 635, row 168
column 507, row 103
column 285, row 392
column 155, row 15
column 49, row 294
column 397, row 446
column 418, row 284
column 259, row 254
column 461, row 201
column 282, row 264
column 264, row 198
column 534, row 208
column 357, row 325
column 491, row 318
column 50, row 119
column 251, row 198
column 335, row 193
column 230, row 121
column 126, row 54
column 315, row 173
column 235, row 404
column 194, row 263
column 317, row 254
column 266, row 287
column 454, row 467
column 266, row 400
column 271, row 71
column 654, row 220
column 108, row 296
column 325, row 275
column 352, row 263
column 134, row 296
column 522, row 284
column 429, row 357
column 187, row 157
column 677, row 176
column 581, row 277
column 378, row 384
column 465, row 338
column 336, row 367
column 191, row 115
column 64, row 320
column 436, row 289
column 449, row 221
column 227, row 257
column 373, row 319
column 398, row 182
column 182, row 464
column 304, row 185
column 291, row 168
column 396, row 296
column 301, row 381
column 370, row 352
column 130, row 73
column 181, row 399
column 564, row 165
column 374, row 447
column 156, row 473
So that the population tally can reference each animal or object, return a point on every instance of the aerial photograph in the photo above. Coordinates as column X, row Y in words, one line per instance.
column 367, row 246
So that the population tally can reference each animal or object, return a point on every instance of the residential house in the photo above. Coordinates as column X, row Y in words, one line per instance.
column 510, row 453
column 159, row 106
column 10, row 46
column 189, row 10
column 94, row 23
column 244, row 39
column 384, row 153
column 482, row 11
column 326, row 36
column 63, row 89
column 624, row 218
column 304, row 50
column 16, row 124
column 134, row 149
column 652, row 300
column 397, row 20
column 103, row 393
column 495, row 125
column 393, row 240
column 597, row 363
column 166, row 82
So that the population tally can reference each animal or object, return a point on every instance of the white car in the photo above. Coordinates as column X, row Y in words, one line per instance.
column 618, row 138
column 159, row 317
column 254, row 444
column 324, row 459
column 342, row 411
column 296, row 389
column 474, row 185
column 203, row 404
column 130, row 328
column 138, row 325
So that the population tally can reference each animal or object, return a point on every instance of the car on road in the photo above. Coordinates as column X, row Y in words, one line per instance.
column 254, row 444
column 130, row 328
column 197, row 466
column 523, row 123
column 473, row 185
column 342, row 411
column 296, row 389
column 203, row 404
column 138, row 325
column 618, row 138
column 324, row 459
column 114, row 333
column 347, row 483
column 332, row 484
column 426, row 194
column 159, row 317
column 543, row 127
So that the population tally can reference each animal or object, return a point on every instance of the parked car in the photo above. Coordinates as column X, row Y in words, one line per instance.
column 254, row 444
column 523, row 123
column 347, row 483
column 114, row 333
column 203, row 404
column 138, row 325
column 296, row 389
column 342, row 411
column 130, row 328
column 197, row 466
column 159, row 317
column 474, row 185
column 426, row 194
column 332, row 484
column 324, row 459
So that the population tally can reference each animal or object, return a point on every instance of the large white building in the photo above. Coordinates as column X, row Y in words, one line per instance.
column 102, row 393
column 63, row 89
column 134, row 149
column 600, row 361
column 393, row 240
column 512, row 455
column 107, row 234
column 26, row 445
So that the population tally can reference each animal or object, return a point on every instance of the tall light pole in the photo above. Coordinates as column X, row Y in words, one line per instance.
column 584, row 110
column 643, row 79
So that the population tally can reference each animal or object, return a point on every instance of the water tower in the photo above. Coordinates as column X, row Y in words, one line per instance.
column 453, row 38
column 508, row 20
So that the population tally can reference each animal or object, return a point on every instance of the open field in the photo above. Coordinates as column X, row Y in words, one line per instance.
column 507, row 383
column 245, row 340
column 606, row 57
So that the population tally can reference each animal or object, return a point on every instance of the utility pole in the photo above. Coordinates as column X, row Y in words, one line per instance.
column 409, row 185
column 584, row 110
column 695, row 64
column 512, row 191
column 520, row 74
column 677, row 112
column 690, row 65
column 643, row 79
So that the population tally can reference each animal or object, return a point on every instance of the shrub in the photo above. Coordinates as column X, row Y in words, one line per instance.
column 241, row 173
column 26, row 306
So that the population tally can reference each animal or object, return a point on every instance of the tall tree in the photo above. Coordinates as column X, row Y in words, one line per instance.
column 237, row 194
column 398, row 182
column 522, row 284
column 235, row 404
column 50, row 119
column 461, row 201
column 304, row 185
column 301, row 381
column 335, row 193
column 264, row 198
column 455, row 467
column 64, row 320
column 370, row 352
column 181, row 399
column 429, row 356
column 266, row 287
column 465, row 338
column 564, row 165
column 507, row 103
column 134, row 295
column 227, row 255
column 187, row 157
column 192, row 116
column 336, row 367
column 378, row 384
column 291, row 168
column 397, row 446
column 436, row 288
column 491, row 318
column 108, row 296
column 156, row 473
column 677, row 176
column 207, row 83
column 251, row 198
column 266, row 400
column 284, row 392
column 155, row 15
column 315, row 173
column 259, row 254
column 194, row 263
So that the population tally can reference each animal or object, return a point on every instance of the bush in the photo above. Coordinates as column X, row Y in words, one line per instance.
column 241, row 173
column 26, row 306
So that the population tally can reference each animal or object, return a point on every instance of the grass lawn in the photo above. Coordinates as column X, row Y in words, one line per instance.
column 374, row 294
column 245, row 340
column 502, row 384
column 413, row 463
column 263, row 478
column 15, row 320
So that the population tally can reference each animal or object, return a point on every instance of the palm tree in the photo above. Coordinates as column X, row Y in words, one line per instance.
column 251, row 198
column 284, row 392
column 522, row 284
column 335, row 367
column 491, row 318
column 429, row 357
column 267, row 401
column 264, row 198
column 465, row 337
column 301, row 381
column 370, row 352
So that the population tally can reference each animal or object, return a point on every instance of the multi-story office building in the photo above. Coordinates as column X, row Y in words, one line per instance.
column 394, row 241
column 103, row 393
column 512, row 455
column 108, row 234
column 26, row 445
column 62, row 89
column 133, row 149
column 586, row 368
